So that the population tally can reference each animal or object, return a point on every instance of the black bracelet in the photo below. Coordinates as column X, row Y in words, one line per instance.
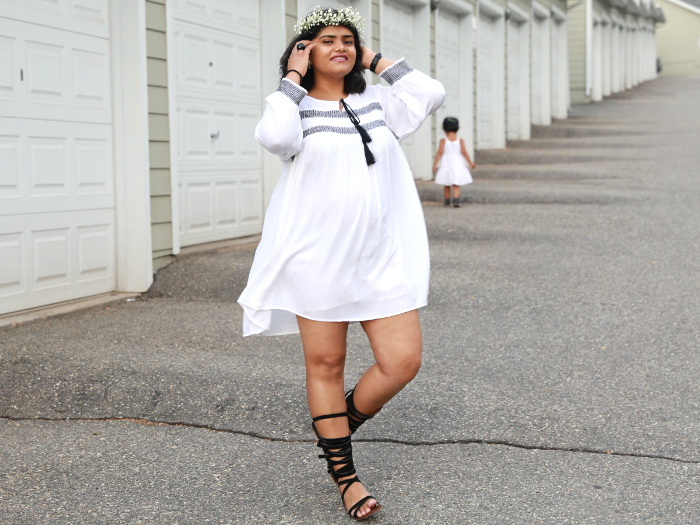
column 375, row 61
column 301, row 77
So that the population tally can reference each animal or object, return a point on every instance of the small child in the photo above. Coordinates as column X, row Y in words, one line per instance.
column 453, row 171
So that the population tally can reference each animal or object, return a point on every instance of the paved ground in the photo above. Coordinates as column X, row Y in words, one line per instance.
column 560, row 379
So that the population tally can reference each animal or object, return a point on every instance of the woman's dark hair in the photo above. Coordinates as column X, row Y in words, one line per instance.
column 354, row 81
column 450, row 124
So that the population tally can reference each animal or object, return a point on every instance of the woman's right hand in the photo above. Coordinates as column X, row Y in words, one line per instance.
column 299, row 60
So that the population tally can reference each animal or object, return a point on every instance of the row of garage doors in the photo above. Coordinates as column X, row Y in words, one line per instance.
column 57, row 187
column 57, row 182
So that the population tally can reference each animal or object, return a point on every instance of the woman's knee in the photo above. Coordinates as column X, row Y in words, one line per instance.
column 411, row 366
column 324, row 365
column 403, row 368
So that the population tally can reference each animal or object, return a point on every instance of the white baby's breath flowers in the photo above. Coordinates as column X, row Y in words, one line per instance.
column 320, row 16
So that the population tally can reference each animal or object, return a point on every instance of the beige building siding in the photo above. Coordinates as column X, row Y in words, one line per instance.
column 576, row 25
column 678, row 40
column 159, row 133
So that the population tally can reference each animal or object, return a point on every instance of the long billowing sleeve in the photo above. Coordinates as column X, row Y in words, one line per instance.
column 410, row 98
column 279, row 131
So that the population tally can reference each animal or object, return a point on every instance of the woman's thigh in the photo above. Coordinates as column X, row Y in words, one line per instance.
column 323, row 342
column 395, row 340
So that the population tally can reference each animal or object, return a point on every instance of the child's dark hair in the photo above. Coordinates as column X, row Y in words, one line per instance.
column 354, row 81
column 450, row 124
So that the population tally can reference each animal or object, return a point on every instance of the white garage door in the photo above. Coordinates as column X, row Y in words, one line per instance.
column 536, row 71
column 513, row 89
column 57, row 234
column 219, row 102
column 559, row 84
column 485, row 61
column 540, row 88
column 448, row 62
column 397, row 38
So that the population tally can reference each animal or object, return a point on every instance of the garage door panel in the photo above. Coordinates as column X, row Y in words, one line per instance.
column 90, row 79
column 9, row 68
column 52, row 257
column 10, row 174
column 90, row 17
column 193, row 66
column 227, row 208
column 12, row 249
column 217, row 137
column 251, row 207
column 220, row 203
column 94, row 250
column 224, row 15
column 195, row 134
column 198, row 196
column 217, row 65
column 48, row 165
column 225, row 55
column 53, row 74
column 51, row 166
column 224, row 148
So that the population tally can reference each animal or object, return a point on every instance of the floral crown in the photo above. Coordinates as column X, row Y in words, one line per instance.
column 321, row 16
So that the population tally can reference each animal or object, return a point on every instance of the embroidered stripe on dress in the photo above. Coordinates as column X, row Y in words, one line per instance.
column 335, row 113
column 396, row 72
column 349, row 130
column 293, row 91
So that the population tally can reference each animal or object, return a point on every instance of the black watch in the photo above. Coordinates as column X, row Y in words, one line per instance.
column 375, row 61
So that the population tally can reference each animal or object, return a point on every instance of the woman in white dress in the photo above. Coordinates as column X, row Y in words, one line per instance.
column 453, row 158
column 344, row 238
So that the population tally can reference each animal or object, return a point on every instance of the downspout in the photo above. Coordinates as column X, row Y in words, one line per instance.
column 589, row 47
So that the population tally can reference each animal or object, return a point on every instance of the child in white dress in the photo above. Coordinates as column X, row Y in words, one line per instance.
column 453, row 171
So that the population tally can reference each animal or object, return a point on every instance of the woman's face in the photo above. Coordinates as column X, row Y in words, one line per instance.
column 334, row 53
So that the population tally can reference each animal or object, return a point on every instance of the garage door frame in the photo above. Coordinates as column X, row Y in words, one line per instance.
column 134, row 264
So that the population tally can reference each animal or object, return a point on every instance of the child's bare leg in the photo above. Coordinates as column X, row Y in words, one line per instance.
column 455, row 195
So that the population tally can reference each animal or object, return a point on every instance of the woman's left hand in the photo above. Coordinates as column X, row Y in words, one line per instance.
column 367, row 56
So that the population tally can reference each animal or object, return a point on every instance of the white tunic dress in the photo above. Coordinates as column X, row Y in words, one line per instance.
column 342, row 241
column 453, row 166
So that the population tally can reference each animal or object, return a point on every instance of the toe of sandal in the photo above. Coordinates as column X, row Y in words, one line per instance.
column 352, row 511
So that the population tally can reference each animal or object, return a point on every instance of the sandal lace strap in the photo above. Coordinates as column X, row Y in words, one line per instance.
column 355, row 417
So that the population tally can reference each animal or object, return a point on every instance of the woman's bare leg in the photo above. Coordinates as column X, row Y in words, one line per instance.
column 455, row 191
column 397, row 343
column 325, row 347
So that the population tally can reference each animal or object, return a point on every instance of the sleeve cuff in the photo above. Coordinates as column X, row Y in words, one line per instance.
column 293, row 91
column 396, row 71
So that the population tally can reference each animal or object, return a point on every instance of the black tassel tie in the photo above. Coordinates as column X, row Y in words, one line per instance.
column 369, row 157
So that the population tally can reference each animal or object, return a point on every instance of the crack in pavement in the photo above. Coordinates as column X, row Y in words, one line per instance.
column 153, row 422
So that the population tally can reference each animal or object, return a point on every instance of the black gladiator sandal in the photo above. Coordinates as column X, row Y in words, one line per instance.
column 338, row 453
column 355, row 417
